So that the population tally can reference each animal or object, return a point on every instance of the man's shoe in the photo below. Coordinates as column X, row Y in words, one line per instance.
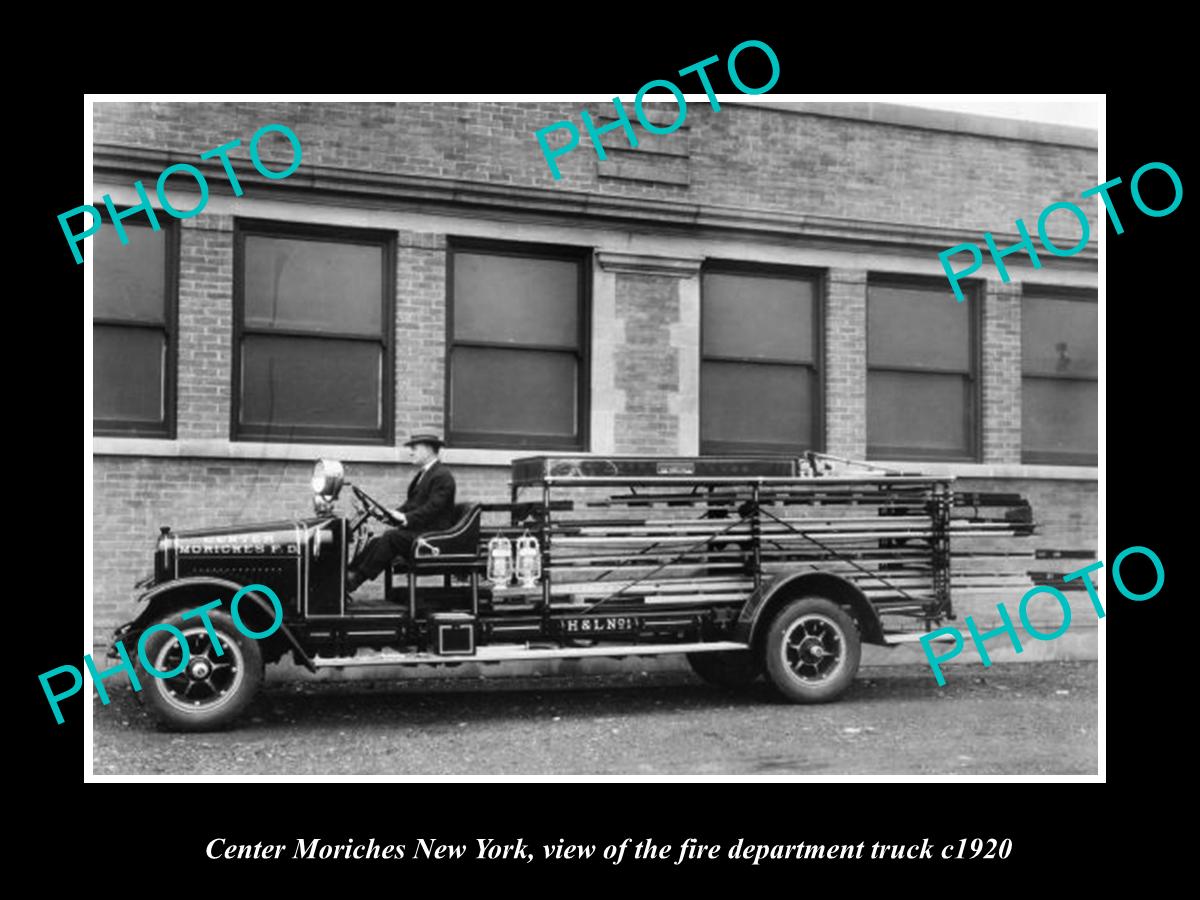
column 354, row 581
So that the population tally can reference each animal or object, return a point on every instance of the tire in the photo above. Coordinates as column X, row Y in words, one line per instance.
column 212, row 690
column 811, row 650
column 726, row 668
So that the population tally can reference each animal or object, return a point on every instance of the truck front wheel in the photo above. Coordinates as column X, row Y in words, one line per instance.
column 812, row 650
column 209, row 689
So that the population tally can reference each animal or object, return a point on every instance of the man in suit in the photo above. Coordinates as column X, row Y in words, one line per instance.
column 428, row 507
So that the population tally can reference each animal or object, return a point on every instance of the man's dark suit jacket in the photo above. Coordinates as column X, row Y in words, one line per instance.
column 430, row 503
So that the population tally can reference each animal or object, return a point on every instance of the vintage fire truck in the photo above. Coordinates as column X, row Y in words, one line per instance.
column 750, row 566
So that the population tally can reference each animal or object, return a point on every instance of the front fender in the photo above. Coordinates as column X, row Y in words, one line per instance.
column 166, row 599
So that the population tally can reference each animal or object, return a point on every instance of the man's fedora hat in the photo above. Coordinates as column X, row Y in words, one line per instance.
column 426, row 437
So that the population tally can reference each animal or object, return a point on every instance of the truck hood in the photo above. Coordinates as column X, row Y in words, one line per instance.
column 268, row 538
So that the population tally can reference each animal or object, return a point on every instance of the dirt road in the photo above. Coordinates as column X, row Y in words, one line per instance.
column 1020, row 719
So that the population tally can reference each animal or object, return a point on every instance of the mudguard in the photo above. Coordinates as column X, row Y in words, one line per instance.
column 762, row 604
column 188, row 593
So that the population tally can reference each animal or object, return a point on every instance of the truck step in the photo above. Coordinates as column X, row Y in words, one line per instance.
column 911, row 637
column 495, row 653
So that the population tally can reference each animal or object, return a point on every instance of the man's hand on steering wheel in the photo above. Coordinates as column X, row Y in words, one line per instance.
column 377, row 510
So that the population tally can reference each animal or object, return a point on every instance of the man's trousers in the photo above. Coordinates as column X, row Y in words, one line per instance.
column 380, row 551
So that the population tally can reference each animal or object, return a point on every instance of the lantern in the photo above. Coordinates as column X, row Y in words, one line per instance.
column 499, row 560
column 529, row 560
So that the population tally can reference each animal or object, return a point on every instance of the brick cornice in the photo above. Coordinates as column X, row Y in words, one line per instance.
column 353, row 187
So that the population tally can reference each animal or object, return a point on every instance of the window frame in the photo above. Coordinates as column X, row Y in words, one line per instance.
column 167, row 428
column 1075, row 294
column 523, row 250
column 313, row 434
column 973, row 413
column 819, row 279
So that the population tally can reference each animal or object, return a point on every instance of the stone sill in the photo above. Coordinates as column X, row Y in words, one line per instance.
column 998, row 470
column 194, row 448
column 201, row 448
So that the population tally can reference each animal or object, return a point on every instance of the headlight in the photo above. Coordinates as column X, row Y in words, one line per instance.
column 327, row 478
column 163, row 553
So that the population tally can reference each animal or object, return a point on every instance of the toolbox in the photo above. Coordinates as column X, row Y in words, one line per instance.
column 452, row 634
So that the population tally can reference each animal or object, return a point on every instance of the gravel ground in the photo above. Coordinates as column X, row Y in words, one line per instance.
column 1017, row 719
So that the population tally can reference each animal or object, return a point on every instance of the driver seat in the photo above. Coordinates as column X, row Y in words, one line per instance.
column 456, row 545
column 451, row 551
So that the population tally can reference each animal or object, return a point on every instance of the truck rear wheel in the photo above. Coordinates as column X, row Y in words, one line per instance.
column 811, row 650
column 209, row 690
column 726, row 668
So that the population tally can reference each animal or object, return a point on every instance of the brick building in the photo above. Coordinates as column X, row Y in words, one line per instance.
column 764, row 278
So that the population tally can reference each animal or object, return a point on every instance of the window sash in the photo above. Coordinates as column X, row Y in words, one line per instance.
column 314, row 433
column 781, row 293
column 1063, row 301
column 343, row 242
column 723, row 445
column 812, row 364
column 579, row 350
column 135, row 294
column 910, row 326
column 465, row 324
column 159, row 361
column 1054, row 457
column 519, row 378
column 300, row 394
column 167, row 326
column 1036, row 371
column 968, row 374
column 897, row 450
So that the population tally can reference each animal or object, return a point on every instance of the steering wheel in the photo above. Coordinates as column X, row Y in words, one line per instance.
column 372, row 507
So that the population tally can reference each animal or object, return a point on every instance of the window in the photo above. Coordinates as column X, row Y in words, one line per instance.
column 133, row 331
column 517, row 362
column 1059, row 398
column 759, row 379
column 922, row 384
column 312, row 333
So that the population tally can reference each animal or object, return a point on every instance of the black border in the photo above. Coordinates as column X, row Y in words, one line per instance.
column 1142, row 126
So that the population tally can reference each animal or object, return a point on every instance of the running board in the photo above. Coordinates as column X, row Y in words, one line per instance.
column 912, row 637
column 496, row 653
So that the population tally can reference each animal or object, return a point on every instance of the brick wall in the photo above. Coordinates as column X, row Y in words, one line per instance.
column 420, row 331
column 205, row 326
column 743, row 157
column 646, row 366
column 846, row 363
column 1001, row 364
column 1067, row 517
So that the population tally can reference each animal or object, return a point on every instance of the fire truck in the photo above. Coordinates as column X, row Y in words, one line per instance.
column 752, row 567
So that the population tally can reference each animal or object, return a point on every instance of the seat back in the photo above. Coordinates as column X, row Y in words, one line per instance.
column 461, row 539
